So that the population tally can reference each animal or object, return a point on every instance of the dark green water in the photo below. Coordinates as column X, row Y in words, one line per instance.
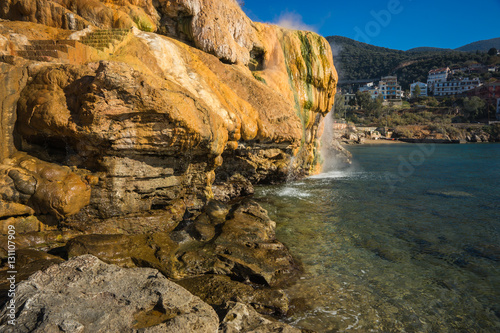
column 406, row 240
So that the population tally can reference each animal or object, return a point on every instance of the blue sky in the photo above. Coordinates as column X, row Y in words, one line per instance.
column 396, row 24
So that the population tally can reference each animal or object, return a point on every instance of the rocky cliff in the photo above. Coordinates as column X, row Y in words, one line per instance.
column 161, row 118
column 130, row 118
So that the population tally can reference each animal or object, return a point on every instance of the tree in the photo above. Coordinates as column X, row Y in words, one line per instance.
column 473, row 107
column 417, row 91
column 339, row 107
column 364, row 99
column 493, row 51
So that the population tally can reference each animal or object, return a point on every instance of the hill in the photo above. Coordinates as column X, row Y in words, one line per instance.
column 482, row 45
column 427, row 49
column 355, row 60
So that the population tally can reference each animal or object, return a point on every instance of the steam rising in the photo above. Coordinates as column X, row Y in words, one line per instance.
column 292, row 20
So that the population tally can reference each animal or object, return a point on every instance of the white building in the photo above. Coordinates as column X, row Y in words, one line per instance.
column 423, row 89
column 455, row 87
column 389, row 89
column 436, row 76
column 374, row 91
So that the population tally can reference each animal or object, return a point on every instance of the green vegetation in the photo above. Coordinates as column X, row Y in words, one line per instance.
column 143, row 24
column 420, row 111
column 417, row 92
column 259, row 78
column 355, row 61
column 482, row 45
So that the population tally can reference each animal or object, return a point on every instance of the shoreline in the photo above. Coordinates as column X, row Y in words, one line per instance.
column 382, row 142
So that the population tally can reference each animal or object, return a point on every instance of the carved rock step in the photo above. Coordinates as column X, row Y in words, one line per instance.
column 111, row 31
column 103, row 39
column 54, row 42
column 43, row 47
column 108, row 34
column 99, row 46
column 43, row 53
column 98, row 40
column 44, row 58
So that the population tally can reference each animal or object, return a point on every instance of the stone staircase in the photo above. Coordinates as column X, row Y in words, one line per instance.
column 105, row 40
column 48, row 50
column 72, row 51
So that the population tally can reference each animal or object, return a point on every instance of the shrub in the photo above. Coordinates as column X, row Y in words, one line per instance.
column 144, row 24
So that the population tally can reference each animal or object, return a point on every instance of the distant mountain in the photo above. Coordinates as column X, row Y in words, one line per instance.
column 482, row 45
column 357, row 61
column 427, row 49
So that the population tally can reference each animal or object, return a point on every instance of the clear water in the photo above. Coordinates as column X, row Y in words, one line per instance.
column 406, row 240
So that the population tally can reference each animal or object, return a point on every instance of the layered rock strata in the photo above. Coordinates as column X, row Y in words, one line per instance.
column 120, row 151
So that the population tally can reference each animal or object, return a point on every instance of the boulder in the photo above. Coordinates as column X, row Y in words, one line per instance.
column 219, row 290
column 86, row 295
column 27, row 262
column 241, row 245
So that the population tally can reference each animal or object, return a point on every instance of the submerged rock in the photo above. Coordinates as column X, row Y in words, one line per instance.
column 87, row 295
column 243, row 318
column 219, row 290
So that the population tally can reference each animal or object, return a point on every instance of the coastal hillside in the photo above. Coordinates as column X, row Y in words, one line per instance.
column 133, row 131
column 482, row 45
column 358, row 61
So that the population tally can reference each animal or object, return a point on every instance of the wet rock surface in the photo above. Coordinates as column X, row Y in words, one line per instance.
column 227, row 253
column 218, row 290
column 242, row 318
column 239, row 243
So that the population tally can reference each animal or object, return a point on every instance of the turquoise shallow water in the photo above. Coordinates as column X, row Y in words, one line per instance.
column 405, row 240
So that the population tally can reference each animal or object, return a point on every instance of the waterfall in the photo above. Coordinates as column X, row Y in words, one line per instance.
column 335, row 157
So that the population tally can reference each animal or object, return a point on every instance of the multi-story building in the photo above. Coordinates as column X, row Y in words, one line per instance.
column 437, row 76
column 487, row 91
column 374, row 91
column 421, row 85
column 390, row 90
column 455, row 87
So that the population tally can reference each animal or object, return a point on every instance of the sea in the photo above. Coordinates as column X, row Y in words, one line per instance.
column 406, row 239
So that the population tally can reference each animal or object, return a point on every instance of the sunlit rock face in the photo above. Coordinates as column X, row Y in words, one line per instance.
column 162, row 119
column 134, row 151
column 217, row 27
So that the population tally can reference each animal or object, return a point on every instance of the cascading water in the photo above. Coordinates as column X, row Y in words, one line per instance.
column 334, row 156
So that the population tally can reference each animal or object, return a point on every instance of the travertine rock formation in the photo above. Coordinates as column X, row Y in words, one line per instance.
column 165, row 125
column 32, row 186
column 118, row 146
column 13, row 80
column 217, row 27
